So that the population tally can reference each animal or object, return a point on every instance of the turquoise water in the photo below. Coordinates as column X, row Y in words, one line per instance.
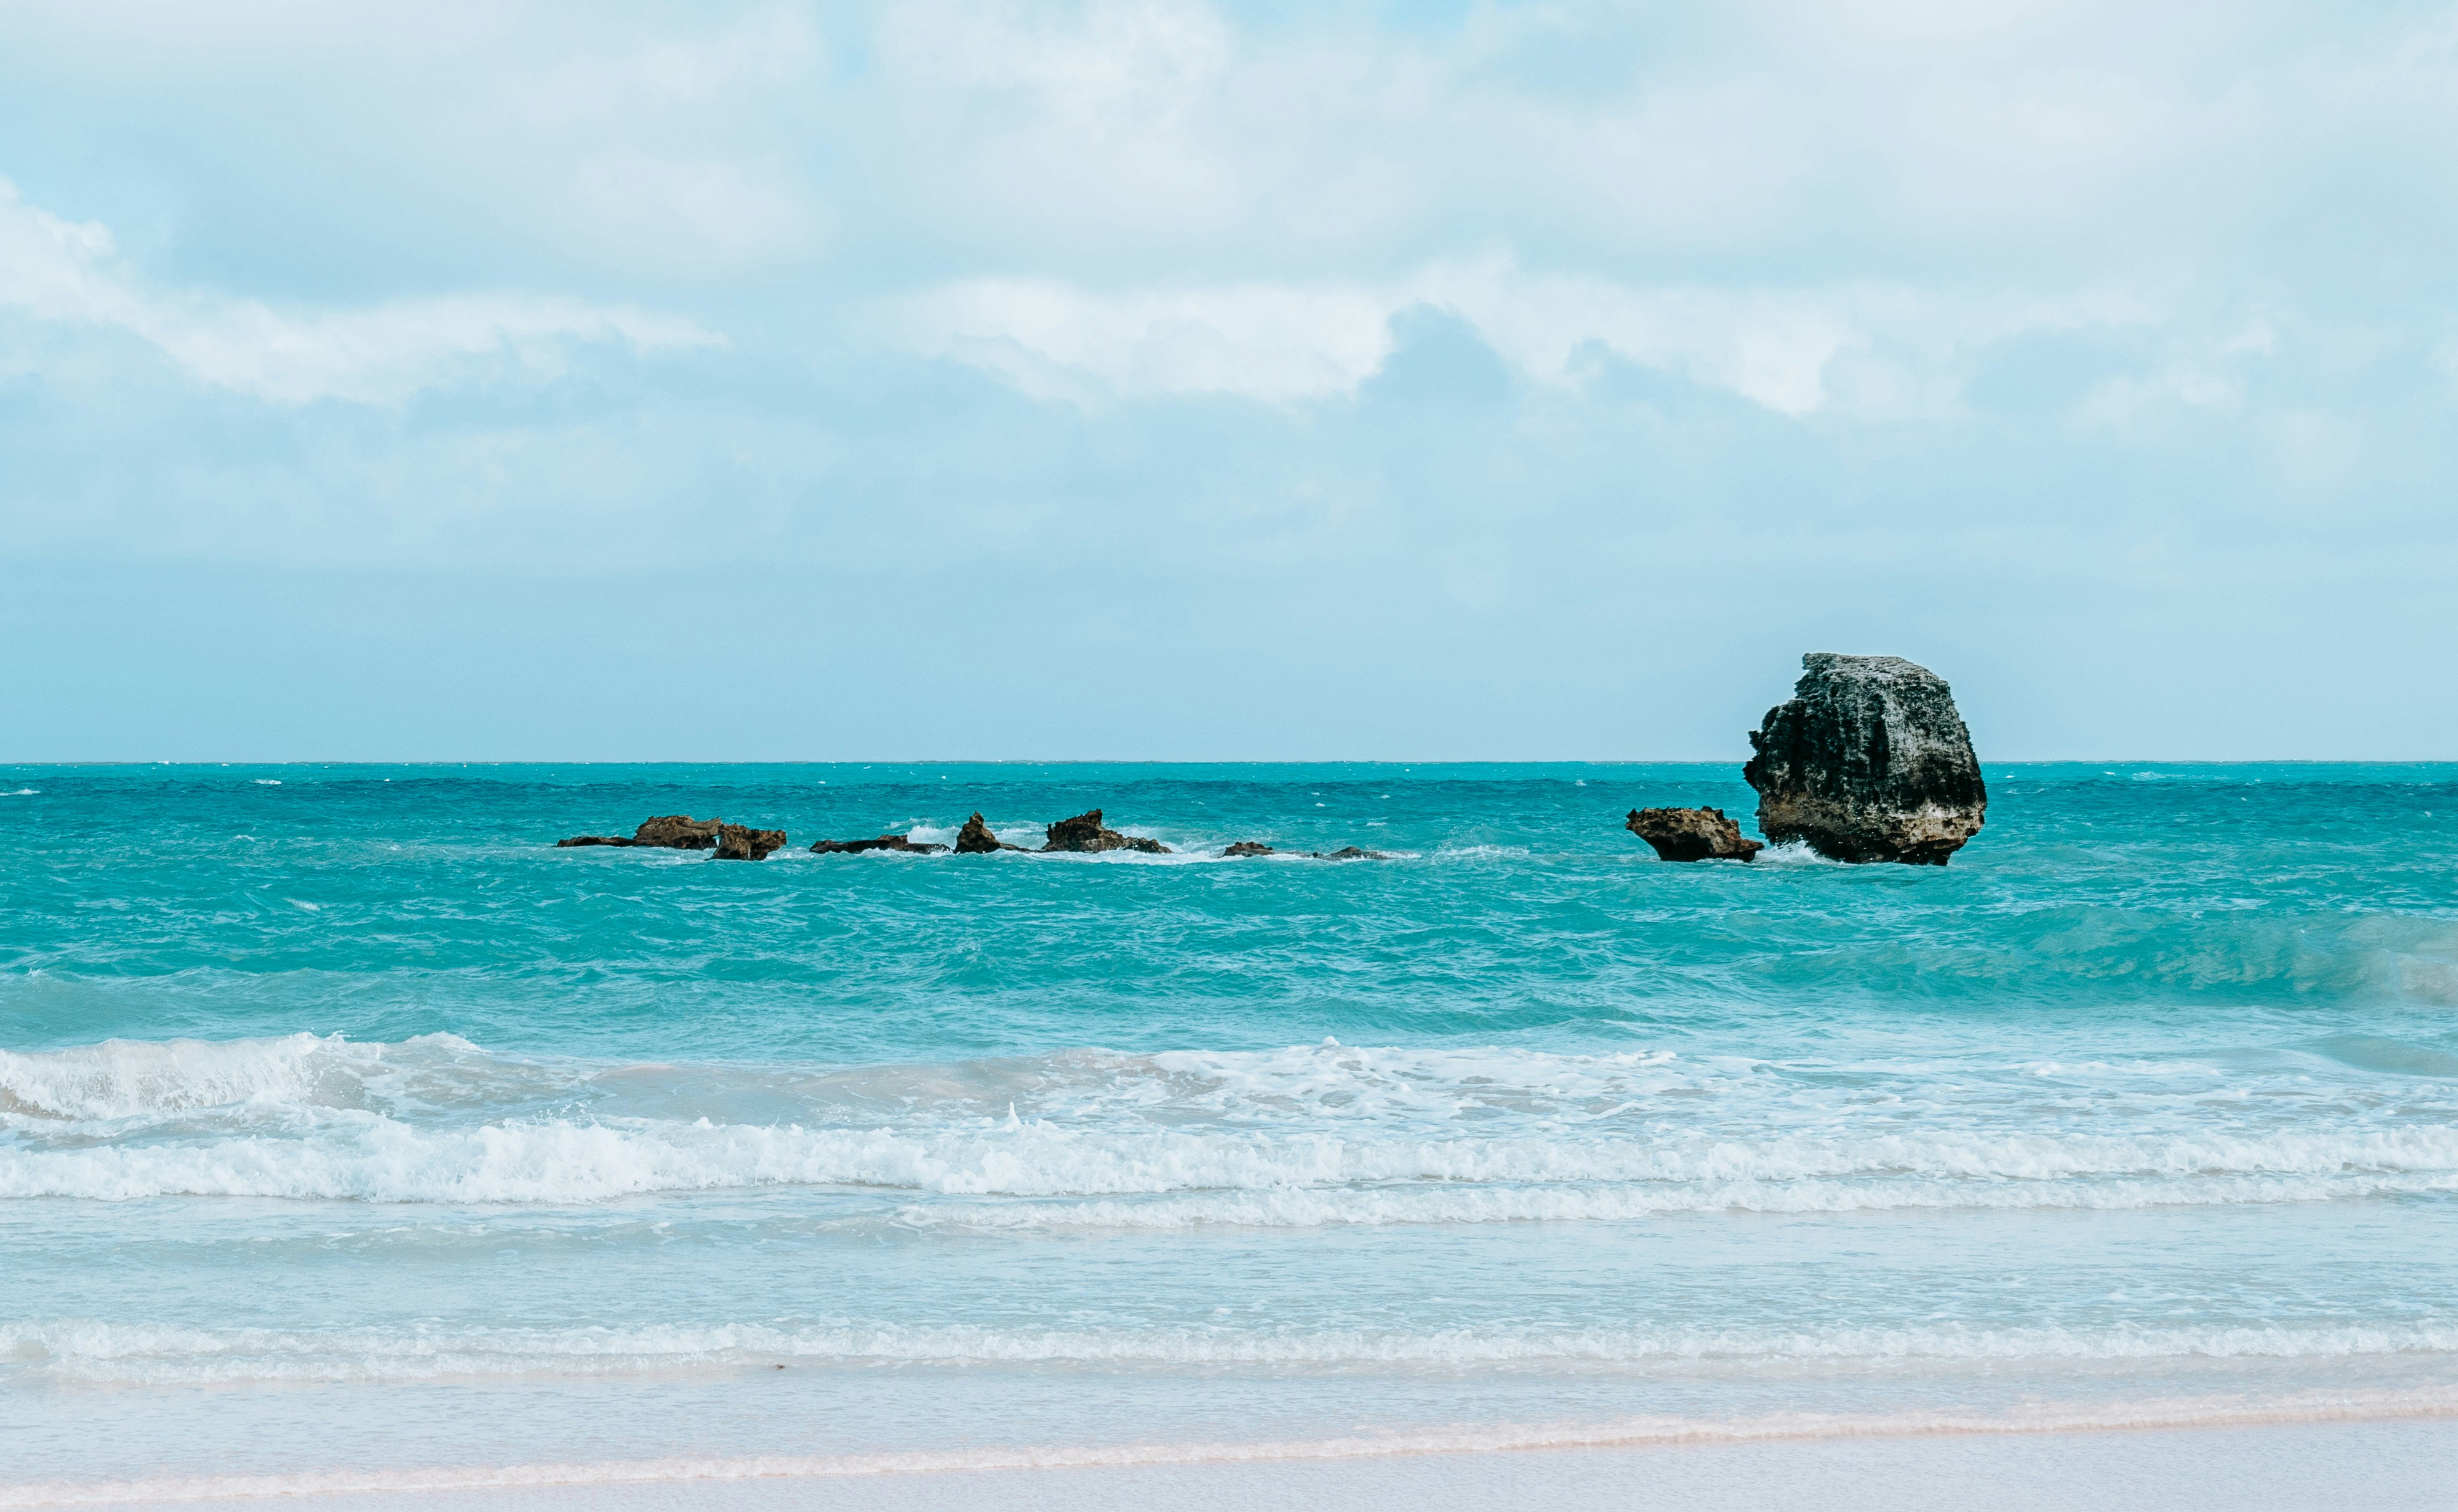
column 344, row 1123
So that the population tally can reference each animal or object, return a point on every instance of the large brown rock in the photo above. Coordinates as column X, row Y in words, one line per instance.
column 1248, row 848
column 736, row 843
column 884, row 843
column 1692, row 834
column 977, row 839
column 1868, row 762
column 1085, row 832
column 667, row 831
column 677, row 831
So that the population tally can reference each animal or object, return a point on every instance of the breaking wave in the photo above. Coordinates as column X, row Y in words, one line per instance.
column 369, row 1157
column 1310, row 1135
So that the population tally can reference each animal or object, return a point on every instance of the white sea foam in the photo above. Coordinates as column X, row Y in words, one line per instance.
column 1792, row 853
column 346, row 1153
column 128, row 1079
column 1355, row 1086
column 130, row 1354
column 21, row 793
column 1384, row 1206
column 1310, row 1134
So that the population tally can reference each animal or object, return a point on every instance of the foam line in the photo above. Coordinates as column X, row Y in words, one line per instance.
column 151, row 1354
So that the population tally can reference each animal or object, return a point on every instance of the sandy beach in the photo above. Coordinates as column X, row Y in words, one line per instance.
column 2272, row 1469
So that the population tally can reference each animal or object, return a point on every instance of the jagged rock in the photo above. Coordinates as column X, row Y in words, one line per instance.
column 1692, row 834
column 1085, row 833
column 977, row 839
column 736, row 843
column 668, row 831
column 678, row 832
column 1350, row 853
column 884, row 843
column 1248, row 848
column 1868, row 762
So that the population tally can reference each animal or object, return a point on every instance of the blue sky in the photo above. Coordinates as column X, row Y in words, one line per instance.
column 1166, row 380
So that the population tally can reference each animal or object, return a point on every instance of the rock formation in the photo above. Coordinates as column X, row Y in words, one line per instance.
column 1692, row 834
column 884, row 843
column 977, row 839
column 735, row 842
column 671, row 831
column 1085, row 832
column 1868, row 762
column 1346, row 853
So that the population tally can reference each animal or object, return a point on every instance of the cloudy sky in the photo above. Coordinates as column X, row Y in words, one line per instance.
column 1156, row 379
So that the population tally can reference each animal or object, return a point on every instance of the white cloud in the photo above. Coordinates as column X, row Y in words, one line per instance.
column 1289, row 342
column 1771, row 349
column 1111, row 111
column 773, row 48
column 1131, row 63
column 1258, row 342
column 2120, row 401
column 62, row 271
column 711, row 213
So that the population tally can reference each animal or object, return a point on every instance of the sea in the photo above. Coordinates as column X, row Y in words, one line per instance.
column 353, row 1135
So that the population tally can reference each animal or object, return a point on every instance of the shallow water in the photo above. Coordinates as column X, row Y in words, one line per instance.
column 344, row 1122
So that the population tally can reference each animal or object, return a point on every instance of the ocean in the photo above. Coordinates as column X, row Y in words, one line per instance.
column 351, row 1134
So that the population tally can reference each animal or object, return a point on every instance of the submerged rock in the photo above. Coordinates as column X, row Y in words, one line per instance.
column 884, row 843
column 977, row 839
column 1085, row 832
column 1347, row 853
column 1692, row 834
column 1868, row 762
column 736, row 843
column 667, row 831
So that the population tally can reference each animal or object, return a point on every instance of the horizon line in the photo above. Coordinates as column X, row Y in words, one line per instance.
column 1398, row 761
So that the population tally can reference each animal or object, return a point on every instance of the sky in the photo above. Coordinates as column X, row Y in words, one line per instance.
column 1159, row 379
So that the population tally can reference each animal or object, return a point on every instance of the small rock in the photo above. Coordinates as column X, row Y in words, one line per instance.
column 1350, row 853
column 1248, row 848
column 735, row 842
column 1085, row 832
column 977, row 839
column 1692, row 834
column 1868, row 762
column 884, row 843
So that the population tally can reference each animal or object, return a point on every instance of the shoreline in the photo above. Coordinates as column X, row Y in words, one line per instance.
column 706, row 1479
column 2261, row 1467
